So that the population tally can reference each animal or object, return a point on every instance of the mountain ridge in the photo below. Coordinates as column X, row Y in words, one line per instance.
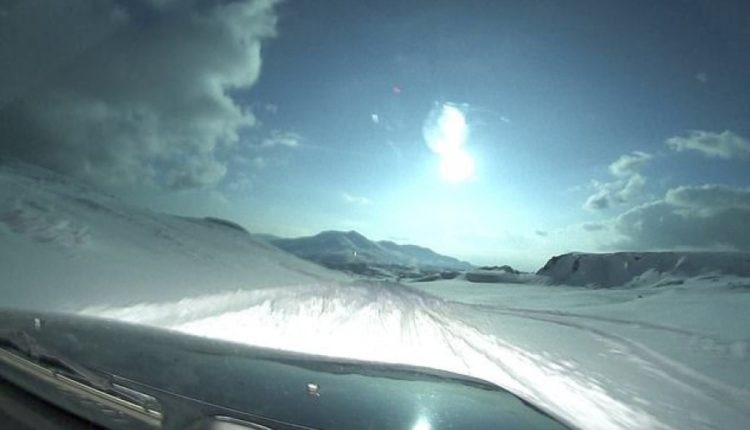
column 353, row 252
column 623, row 268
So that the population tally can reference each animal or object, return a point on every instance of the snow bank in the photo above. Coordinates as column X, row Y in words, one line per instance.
column 641, row 268
column 64, row 245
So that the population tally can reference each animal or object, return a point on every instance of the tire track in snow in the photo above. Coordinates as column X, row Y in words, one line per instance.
column 676, row 372
column 402, row 326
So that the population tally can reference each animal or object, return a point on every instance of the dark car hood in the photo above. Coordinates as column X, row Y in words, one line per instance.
column 197, row 378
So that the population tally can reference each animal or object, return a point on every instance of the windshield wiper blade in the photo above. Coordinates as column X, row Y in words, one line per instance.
column 22, row 343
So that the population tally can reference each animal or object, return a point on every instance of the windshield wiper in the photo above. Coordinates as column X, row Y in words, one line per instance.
column 17, row 346
column 23, row 343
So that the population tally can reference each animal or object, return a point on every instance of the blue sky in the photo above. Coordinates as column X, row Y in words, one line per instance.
column 317, row 119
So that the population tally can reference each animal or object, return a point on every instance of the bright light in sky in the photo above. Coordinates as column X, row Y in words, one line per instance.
column 422, row 424
column 456, row 166
column 445, row 129
column 445, row 132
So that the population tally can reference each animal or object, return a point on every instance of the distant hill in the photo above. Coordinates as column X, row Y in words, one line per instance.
column 621, row 268
column 353, row 252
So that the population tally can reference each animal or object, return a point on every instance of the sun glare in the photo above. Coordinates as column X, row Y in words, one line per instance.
column 422, row 424
column 456, row 166
column 445, row 132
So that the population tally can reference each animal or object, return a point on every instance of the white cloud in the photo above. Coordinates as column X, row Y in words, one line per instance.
column 709, row 198
column 195, row 172
column 357, row 200
column 629, row 164
column 726, row 145
column 140, row 96
column 707, row 217
column 598, row 201
column 632, row 189
column 282, row 138
column 702, row 77
column 628, row 186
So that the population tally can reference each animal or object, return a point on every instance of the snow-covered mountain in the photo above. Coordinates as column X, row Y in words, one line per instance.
column 353, row 252
column 64, row 244
column 637, row 268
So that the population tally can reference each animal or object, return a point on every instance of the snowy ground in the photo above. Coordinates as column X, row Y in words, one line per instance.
column 679, row 354
column 675, row 357
column 668, row 353
column 64, row 245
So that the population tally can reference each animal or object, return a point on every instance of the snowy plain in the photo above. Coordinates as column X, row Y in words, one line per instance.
column 670, row 350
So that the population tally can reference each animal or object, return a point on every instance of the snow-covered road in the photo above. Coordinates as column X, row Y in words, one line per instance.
column 598, row 359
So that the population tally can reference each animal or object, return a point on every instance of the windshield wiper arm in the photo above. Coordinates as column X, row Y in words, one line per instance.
column 23, row 343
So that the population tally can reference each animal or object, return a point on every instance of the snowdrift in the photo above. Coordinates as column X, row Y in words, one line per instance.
column 641, row 268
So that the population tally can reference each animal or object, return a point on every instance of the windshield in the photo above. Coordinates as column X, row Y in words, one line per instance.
column 552, row 197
